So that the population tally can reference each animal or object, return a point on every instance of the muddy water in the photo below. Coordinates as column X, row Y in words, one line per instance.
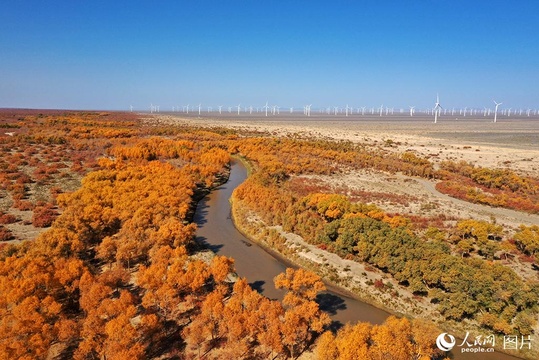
column 216, row 230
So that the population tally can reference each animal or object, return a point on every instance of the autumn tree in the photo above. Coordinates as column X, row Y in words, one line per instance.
column 221, row 267
column 398, row 339
column 302, row 318
column 207, row 325
column 527, row 238
column 300, row 284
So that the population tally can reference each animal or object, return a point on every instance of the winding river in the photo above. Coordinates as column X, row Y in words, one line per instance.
column 217, row 231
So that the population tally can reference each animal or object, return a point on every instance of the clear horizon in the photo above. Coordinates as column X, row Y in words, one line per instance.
column 108, row 56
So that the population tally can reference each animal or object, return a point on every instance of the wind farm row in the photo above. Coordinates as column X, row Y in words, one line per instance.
column 437, row 111
column 381, row 111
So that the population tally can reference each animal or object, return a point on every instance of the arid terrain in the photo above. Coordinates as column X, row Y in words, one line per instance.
column 509, row 142
column 506, row 144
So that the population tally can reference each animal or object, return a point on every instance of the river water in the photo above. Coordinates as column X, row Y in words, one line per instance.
column 217, row 231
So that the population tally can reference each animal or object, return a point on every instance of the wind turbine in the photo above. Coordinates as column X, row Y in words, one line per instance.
column 199, row 107
column 363, row 110
column 266, row 107
column 220, row 107
column 381, row 109
column 131, row 108
column 412, row 111
column 437, row 109
column 239, row 108
column 496, row 110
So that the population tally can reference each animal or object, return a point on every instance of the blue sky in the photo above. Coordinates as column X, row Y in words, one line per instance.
column 112, row 54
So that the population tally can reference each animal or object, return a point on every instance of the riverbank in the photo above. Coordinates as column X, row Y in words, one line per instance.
column 352, row 278
column 356, row 280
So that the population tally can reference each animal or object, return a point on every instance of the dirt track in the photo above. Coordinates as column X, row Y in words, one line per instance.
column 498, row 213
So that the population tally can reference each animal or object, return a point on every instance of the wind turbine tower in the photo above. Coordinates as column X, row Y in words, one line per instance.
column 412, row 111
column 437, row 109
column 496, row 110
